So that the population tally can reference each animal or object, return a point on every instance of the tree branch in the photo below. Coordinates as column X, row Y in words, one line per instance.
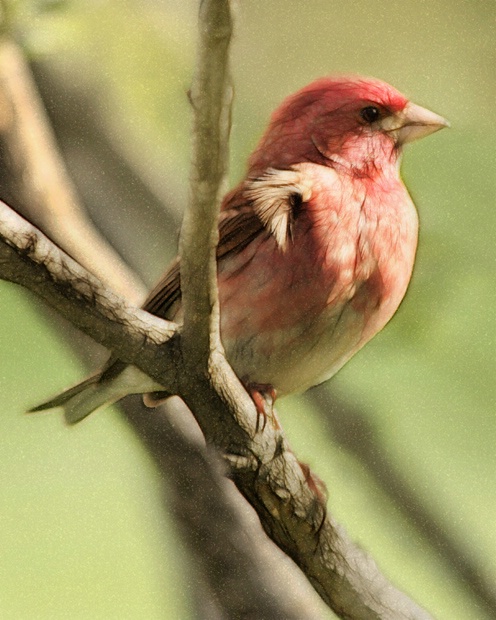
column 264, row 468
column 248, row 576
column 210, row 97
column 29, row 258
column 266, row 472
column 46, row 184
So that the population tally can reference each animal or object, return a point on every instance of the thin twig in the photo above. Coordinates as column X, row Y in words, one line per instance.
column 210, row 97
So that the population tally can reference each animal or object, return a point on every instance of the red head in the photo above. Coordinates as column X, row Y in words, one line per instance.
column 351, row 122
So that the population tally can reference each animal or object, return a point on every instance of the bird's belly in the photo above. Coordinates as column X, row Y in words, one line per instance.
column 290, row 331
column 292, row 319
column 295, row 358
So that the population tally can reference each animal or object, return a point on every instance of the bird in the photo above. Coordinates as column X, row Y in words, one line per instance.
column 316, row 245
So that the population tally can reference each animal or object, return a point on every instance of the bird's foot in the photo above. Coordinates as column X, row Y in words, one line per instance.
column 264, row 397
column 315, row 484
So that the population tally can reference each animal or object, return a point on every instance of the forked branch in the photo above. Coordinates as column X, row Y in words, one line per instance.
column 263, row 466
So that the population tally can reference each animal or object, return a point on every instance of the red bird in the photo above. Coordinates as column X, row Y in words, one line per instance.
column 316, row 249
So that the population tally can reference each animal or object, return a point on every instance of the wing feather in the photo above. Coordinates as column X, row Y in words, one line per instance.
column 275, row 195
column 262, row 205
column 237, row 228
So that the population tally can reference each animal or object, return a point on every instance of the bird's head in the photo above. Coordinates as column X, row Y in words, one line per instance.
column 353, row 123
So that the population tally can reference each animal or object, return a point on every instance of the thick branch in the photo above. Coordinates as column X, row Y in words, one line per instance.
column 264, row 468
column 266, row 472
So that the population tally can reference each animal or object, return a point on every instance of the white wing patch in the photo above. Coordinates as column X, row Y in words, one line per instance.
column 272, row 200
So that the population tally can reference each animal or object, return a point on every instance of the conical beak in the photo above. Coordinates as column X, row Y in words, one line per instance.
column 416, row 122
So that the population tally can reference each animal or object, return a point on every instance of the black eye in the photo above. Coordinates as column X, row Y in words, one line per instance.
column 370, row 114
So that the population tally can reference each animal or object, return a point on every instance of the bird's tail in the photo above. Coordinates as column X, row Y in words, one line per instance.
column 82, row 399
column 100, row 390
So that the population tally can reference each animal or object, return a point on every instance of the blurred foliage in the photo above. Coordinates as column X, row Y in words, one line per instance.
column 81, row 531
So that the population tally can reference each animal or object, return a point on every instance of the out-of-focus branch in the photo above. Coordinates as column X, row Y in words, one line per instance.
column 107, row 174
column 350, row 429
column 31, row 145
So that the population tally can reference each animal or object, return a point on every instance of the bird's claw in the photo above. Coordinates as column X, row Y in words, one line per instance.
column 264, row 397
column 315, row 484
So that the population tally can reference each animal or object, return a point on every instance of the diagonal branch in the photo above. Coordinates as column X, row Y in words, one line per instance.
column 46, row 184
column 29, row 258
column 266, row 471
column 264, row 468
column 249, row 576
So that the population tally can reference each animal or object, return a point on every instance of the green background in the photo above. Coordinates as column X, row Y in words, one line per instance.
column 82, row 534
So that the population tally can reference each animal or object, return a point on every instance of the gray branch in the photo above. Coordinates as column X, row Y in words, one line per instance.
column 46, row 184
column 264, row 468
column 29, row 258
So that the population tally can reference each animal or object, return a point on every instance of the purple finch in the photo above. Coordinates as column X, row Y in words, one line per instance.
column 316, row 250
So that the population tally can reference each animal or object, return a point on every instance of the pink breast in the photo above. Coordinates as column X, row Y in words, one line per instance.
column 341, row 261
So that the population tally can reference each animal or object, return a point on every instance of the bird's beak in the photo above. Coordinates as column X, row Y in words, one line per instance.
column 415, row 122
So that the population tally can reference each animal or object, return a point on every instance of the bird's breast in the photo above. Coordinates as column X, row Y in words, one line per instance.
column 292, row 318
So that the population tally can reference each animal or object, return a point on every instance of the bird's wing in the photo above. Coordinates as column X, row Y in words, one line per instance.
column 264, row 205
column 237, row 228
column 165, row 293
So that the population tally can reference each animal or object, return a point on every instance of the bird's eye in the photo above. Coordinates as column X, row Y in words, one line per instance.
column 370, row 114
